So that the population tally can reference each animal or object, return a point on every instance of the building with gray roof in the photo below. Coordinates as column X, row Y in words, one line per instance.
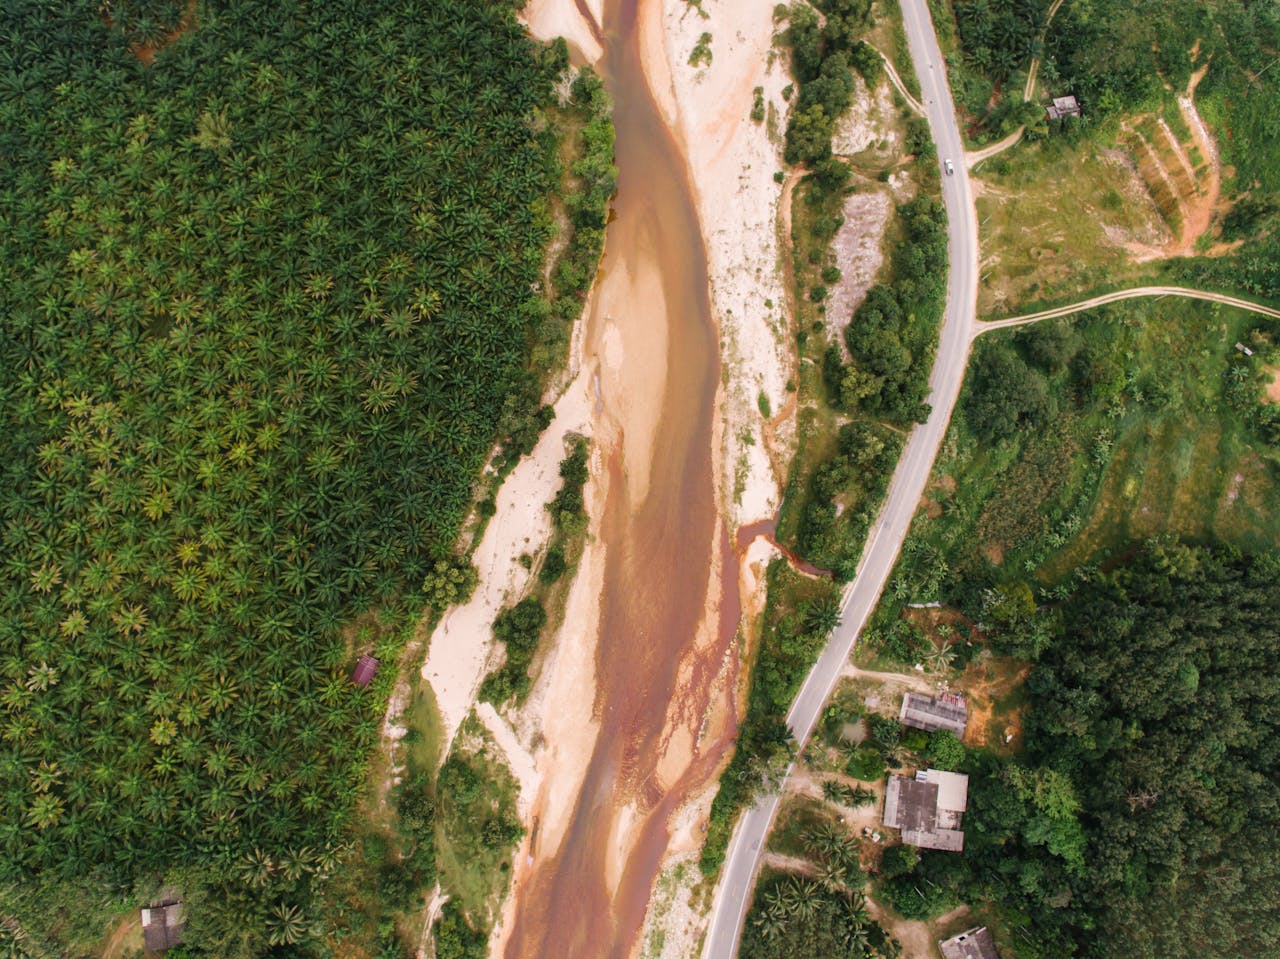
column 162, row 926
column 972, row 944
column 948, row 711
column 928, row 808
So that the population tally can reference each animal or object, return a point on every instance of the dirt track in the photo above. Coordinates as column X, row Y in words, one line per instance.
column 1136, row 292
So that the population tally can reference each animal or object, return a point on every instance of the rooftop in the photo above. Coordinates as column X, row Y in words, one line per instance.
column 930, row 713
column 1061, row 107
column 363, row 674
column 928, row 808
column 162, row 926
column 973, row 944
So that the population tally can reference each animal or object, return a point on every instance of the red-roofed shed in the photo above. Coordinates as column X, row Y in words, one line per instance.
column 365, row 669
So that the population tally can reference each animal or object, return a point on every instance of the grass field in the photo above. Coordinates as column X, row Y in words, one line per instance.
column 1054, row 217
column 1140, row 439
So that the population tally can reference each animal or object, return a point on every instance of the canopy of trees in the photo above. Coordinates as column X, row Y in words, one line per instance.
column 893, row 335
column 822, row 58
column 266, row 305
column 1008, row 394
column 1000, row 35
column 1148, row 787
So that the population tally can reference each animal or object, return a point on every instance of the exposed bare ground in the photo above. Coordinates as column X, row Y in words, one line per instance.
column 125, row 939
column 776, row 433
column 985, row 683
column 916, row 682
column 919, row 939
column 1189, row 194
column 801, row 867
column 858, row 249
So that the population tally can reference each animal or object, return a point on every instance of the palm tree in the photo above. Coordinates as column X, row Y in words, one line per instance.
column 941, row 658
column 256, row 868
column 822, row 616
column 833, row 876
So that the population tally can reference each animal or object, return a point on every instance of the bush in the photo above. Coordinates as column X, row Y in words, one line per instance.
column 915, row 740
column 865, row 764
column 553, row 566
column 899, row 860
column 912, row 897
column 1007, row 395
column 886, row 732
column 944, row 750
column 450, row 582
column 455, row 939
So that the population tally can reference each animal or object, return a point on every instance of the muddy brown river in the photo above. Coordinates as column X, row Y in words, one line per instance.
column 660, row 533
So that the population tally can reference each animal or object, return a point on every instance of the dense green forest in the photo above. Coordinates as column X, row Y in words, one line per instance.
column 267, row 303
column 1148, row 784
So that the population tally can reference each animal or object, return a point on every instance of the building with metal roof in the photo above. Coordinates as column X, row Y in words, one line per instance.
column 162, row 926
column 928, row 808
column 930, row 713
column 1063, row 107
column 364, row 672
column 971, row 944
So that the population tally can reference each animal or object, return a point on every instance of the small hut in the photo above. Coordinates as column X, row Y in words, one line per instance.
column 973, row 944
column 366, row 669
column 1063, row 107
column 162, row 926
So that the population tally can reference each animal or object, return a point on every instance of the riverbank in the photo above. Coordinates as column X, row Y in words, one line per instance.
column 657, row 775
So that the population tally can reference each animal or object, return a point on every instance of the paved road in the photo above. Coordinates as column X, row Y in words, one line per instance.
column 905, row 489
column 1136, row 292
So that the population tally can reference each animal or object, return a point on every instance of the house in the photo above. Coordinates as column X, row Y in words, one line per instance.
column 930, row 713
column 973, row 944
column 162, row 926
column 928, row 808
column 1063, row 107
column 364, row 672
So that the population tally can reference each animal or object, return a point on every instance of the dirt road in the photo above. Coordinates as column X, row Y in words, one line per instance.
column 1131, row 294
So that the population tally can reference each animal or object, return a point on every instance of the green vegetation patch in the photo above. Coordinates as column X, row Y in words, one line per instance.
column 268, row 303
column 520, row 628
column 1147, row 782
column 799, row 614
column 1074, row 440
column 478, row 825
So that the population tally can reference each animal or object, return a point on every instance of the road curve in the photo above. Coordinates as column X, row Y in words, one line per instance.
column 733, row 895
column 1131, row 294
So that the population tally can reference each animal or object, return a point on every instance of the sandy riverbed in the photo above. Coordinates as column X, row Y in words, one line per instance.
column 732, row 162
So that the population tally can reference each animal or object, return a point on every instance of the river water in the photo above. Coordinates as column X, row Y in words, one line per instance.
column 661, row 537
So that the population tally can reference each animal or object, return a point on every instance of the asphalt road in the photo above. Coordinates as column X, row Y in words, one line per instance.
column 733, row 895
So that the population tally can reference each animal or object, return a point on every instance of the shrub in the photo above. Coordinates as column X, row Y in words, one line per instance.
column 944, row 750
column 899, row 860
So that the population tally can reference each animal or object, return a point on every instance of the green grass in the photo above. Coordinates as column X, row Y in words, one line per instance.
column 1159, row 449
column 425, row 739
column 1074, row 206
column 477, row 824
column 799, row 815
column 889, row 36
